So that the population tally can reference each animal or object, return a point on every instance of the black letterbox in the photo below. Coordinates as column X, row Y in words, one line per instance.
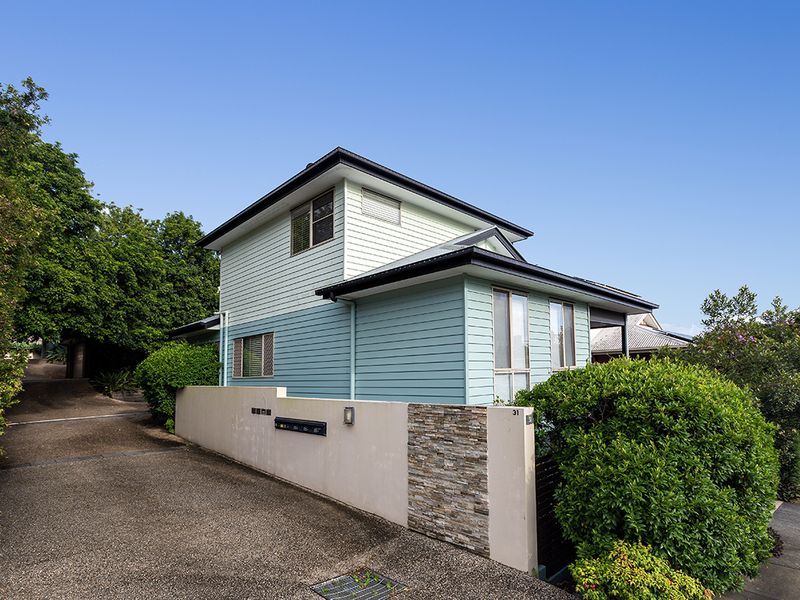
column 302, row 425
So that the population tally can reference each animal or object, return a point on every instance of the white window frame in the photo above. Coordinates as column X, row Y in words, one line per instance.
column 510, row 370
column 308, row 208
column 239, row 368
column 564, row 366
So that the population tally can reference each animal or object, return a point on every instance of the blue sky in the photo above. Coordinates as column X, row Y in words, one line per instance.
column 655, row 148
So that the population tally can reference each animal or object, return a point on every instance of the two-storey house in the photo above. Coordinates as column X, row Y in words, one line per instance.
column 351, row 280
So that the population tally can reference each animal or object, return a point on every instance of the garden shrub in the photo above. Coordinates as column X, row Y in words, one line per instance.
column 170, row 368
column 115, row 382
column 632, row 572
column 12, row 367
column 664, row 453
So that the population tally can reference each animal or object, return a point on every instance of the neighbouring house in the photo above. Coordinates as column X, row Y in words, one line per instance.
column 353, row 281
column 645, row 338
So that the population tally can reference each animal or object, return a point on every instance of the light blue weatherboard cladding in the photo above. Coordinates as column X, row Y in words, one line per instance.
column 539, row 333
column 312, row 351
column 410, row 344
column 583, row 334
column 481, row 341
column 480, row 369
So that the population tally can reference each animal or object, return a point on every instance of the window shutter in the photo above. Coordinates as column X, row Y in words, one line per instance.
column 237, row 357
column 380, row 207
column 267, row 354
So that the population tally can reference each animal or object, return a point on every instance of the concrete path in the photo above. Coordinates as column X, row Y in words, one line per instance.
column 113, row 507
column 779, row 578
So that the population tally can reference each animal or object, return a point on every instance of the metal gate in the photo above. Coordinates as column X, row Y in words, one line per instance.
column 554, row 552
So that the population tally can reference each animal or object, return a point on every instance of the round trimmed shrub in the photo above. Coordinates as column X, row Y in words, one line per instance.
column 170, row 368
column 632, row 572
column 664, row 453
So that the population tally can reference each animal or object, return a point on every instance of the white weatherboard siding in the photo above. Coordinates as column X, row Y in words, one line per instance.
column 410, row 344
column 259, row 277
column 371, row 243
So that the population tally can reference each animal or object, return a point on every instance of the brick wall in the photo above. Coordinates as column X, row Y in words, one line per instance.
column 448, row 495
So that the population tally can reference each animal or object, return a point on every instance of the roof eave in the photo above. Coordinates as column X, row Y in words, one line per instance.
column 345, row 157
column 482, row 258
column 201, row 325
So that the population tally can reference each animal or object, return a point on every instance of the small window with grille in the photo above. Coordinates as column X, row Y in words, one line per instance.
column 378, row 206
column 254, row 356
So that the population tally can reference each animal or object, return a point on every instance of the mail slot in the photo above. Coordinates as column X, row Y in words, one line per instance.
column 302, row 426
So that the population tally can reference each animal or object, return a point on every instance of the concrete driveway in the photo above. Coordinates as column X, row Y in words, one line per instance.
column 105, row 505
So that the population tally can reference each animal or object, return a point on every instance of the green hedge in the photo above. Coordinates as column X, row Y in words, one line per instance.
column 12, row 367
column 663, row 453
column 170, row 368
column 632, row 572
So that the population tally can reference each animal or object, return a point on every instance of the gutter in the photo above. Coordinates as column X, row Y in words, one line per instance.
column 344, row 157
column 489, row 260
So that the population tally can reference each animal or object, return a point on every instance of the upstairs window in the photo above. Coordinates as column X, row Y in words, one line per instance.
column 511, row 346
column 254, row 356
column 380, row 207
column 562, row 335
column 312, row 223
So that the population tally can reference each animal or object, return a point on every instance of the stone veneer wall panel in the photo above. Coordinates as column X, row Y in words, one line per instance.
column 448, row 492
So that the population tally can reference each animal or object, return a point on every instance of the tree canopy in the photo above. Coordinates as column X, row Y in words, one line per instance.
column 761, row 352
column 79, row 267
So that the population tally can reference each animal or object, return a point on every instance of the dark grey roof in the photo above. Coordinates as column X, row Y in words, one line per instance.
column 440, row 258
column 345, row 157
column 641, row 338
column 200, row 325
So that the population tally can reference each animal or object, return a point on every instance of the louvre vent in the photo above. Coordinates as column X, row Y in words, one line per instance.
column 380, row 207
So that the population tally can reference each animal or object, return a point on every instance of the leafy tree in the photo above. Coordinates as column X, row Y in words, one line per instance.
column 20, row 123
column 73, row 266
column 762, row 353
column 65, row 285
column 20, row 223
column 193, row 272
column 722, row 310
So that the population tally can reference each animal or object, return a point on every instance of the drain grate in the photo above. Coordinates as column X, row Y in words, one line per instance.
column 362, row 584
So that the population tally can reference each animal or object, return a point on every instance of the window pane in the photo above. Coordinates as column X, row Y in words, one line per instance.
column 519, row 331
column 323, row 206
column 301, row 230
column 569, row 336
column 252, row 356
column 323, row 230
column 502, row 345
column 502, row 386
column 520, row 382
column 556, row 336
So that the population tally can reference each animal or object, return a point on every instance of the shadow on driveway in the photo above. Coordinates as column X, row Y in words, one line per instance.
column 113, row 507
